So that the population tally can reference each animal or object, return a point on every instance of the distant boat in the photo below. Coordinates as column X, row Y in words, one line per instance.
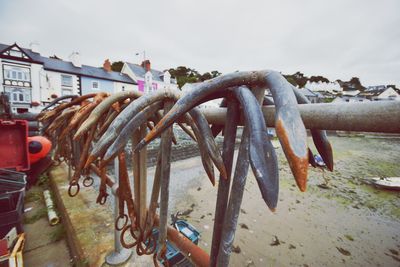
column 387, row 182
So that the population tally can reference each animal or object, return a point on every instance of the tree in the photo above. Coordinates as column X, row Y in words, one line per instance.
column 353, row 84
column 318, row 78
column 184, row 75
column 215, row 73
column 297, row 79
column 117, row 66
column 205, row 76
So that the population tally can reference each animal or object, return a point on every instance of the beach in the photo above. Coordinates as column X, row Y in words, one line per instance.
column 339, row 220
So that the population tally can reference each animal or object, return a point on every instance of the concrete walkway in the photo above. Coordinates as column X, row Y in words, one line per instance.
column 45, row 245
column 89, row 226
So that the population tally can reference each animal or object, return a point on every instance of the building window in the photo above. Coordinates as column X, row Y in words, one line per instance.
column 95, row 85
column 66, row 91
column 20, row 96
column 66, row 80
column 17, row 73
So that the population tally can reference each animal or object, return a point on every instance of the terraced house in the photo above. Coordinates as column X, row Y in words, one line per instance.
column 32, row 80
column 148, row 79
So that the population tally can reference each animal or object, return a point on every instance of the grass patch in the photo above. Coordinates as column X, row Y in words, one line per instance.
column 385, row 169
column 44, row 181
column 33, row 196
column 58, row 233
column 82, row 263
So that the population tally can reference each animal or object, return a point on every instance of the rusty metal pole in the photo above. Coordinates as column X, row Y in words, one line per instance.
column 120, row 254
column 380, row 116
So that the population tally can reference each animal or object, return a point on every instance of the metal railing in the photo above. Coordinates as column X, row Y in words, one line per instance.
column 102, row 124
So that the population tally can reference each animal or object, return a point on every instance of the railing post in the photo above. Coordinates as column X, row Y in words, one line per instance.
column 120, row 254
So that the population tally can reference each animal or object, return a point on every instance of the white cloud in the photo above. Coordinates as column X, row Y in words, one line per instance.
column 339, row 39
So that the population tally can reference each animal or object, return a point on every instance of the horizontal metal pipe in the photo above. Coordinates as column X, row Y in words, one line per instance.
column 382, row 116
column 25, row 116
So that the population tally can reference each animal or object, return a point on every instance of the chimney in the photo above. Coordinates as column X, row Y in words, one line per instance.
column 34, row 46
column 146, row 65
column 75, row 59
column 107, row 65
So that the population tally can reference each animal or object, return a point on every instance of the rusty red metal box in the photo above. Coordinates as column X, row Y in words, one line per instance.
column 14, row 153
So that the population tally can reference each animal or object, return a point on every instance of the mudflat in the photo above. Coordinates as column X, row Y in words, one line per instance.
column 339, row 220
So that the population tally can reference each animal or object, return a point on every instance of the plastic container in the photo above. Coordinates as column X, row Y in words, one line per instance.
column 12, row 218
column 12, row 193
column 14, row 153
column 173, row 255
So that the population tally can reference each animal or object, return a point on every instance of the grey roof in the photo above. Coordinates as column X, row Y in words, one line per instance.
column 308, row 92
column 140, row 72
column 33, row 55
column 3, row 46
column 67, row 67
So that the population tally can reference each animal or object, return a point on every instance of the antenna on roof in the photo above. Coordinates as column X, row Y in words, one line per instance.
column 144, row 54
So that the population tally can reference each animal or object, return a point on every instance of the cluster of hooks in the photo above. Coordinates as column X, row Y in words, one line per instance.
column 91, row 130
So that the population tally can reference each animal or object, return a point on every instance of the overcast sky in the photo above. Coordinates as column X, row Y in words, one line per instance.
column 337, row 39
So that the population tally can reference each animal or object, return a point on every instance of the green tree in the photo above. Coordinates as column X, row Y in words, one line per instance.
column 353, row 84
column 318, row 78
column 205, row 76
column 117, row 66
column 215, row 73
column 184, row 75
column 297, row 79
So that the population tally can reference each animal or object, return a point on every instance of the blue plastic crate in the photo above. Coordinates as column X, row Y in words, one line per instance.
column 173, row 255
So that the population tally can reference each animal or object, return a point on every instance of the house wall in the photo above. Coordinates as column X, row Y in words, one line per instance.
column 126, row 70
column 156, row 85
column 104, row 85
column 349, row 99
column 119, row 87
column 36, row 89
column 324, row 87
column 50, row 82
column 389, row 93
column 33, row 91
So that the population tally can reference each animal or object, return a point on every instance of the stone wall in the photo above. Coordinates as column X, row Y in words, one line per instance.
column 185, row 147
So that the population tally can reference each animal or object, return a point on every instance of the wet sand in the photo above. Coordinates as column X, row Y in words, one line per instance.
column 350, row 223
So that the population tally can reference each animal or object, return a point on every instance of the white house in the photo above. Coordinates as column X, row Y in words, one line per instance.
column 380, row 92
column 313, row 97
column 331, row 87
column 350, row 99
column 148, row 79
column 32, row 80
